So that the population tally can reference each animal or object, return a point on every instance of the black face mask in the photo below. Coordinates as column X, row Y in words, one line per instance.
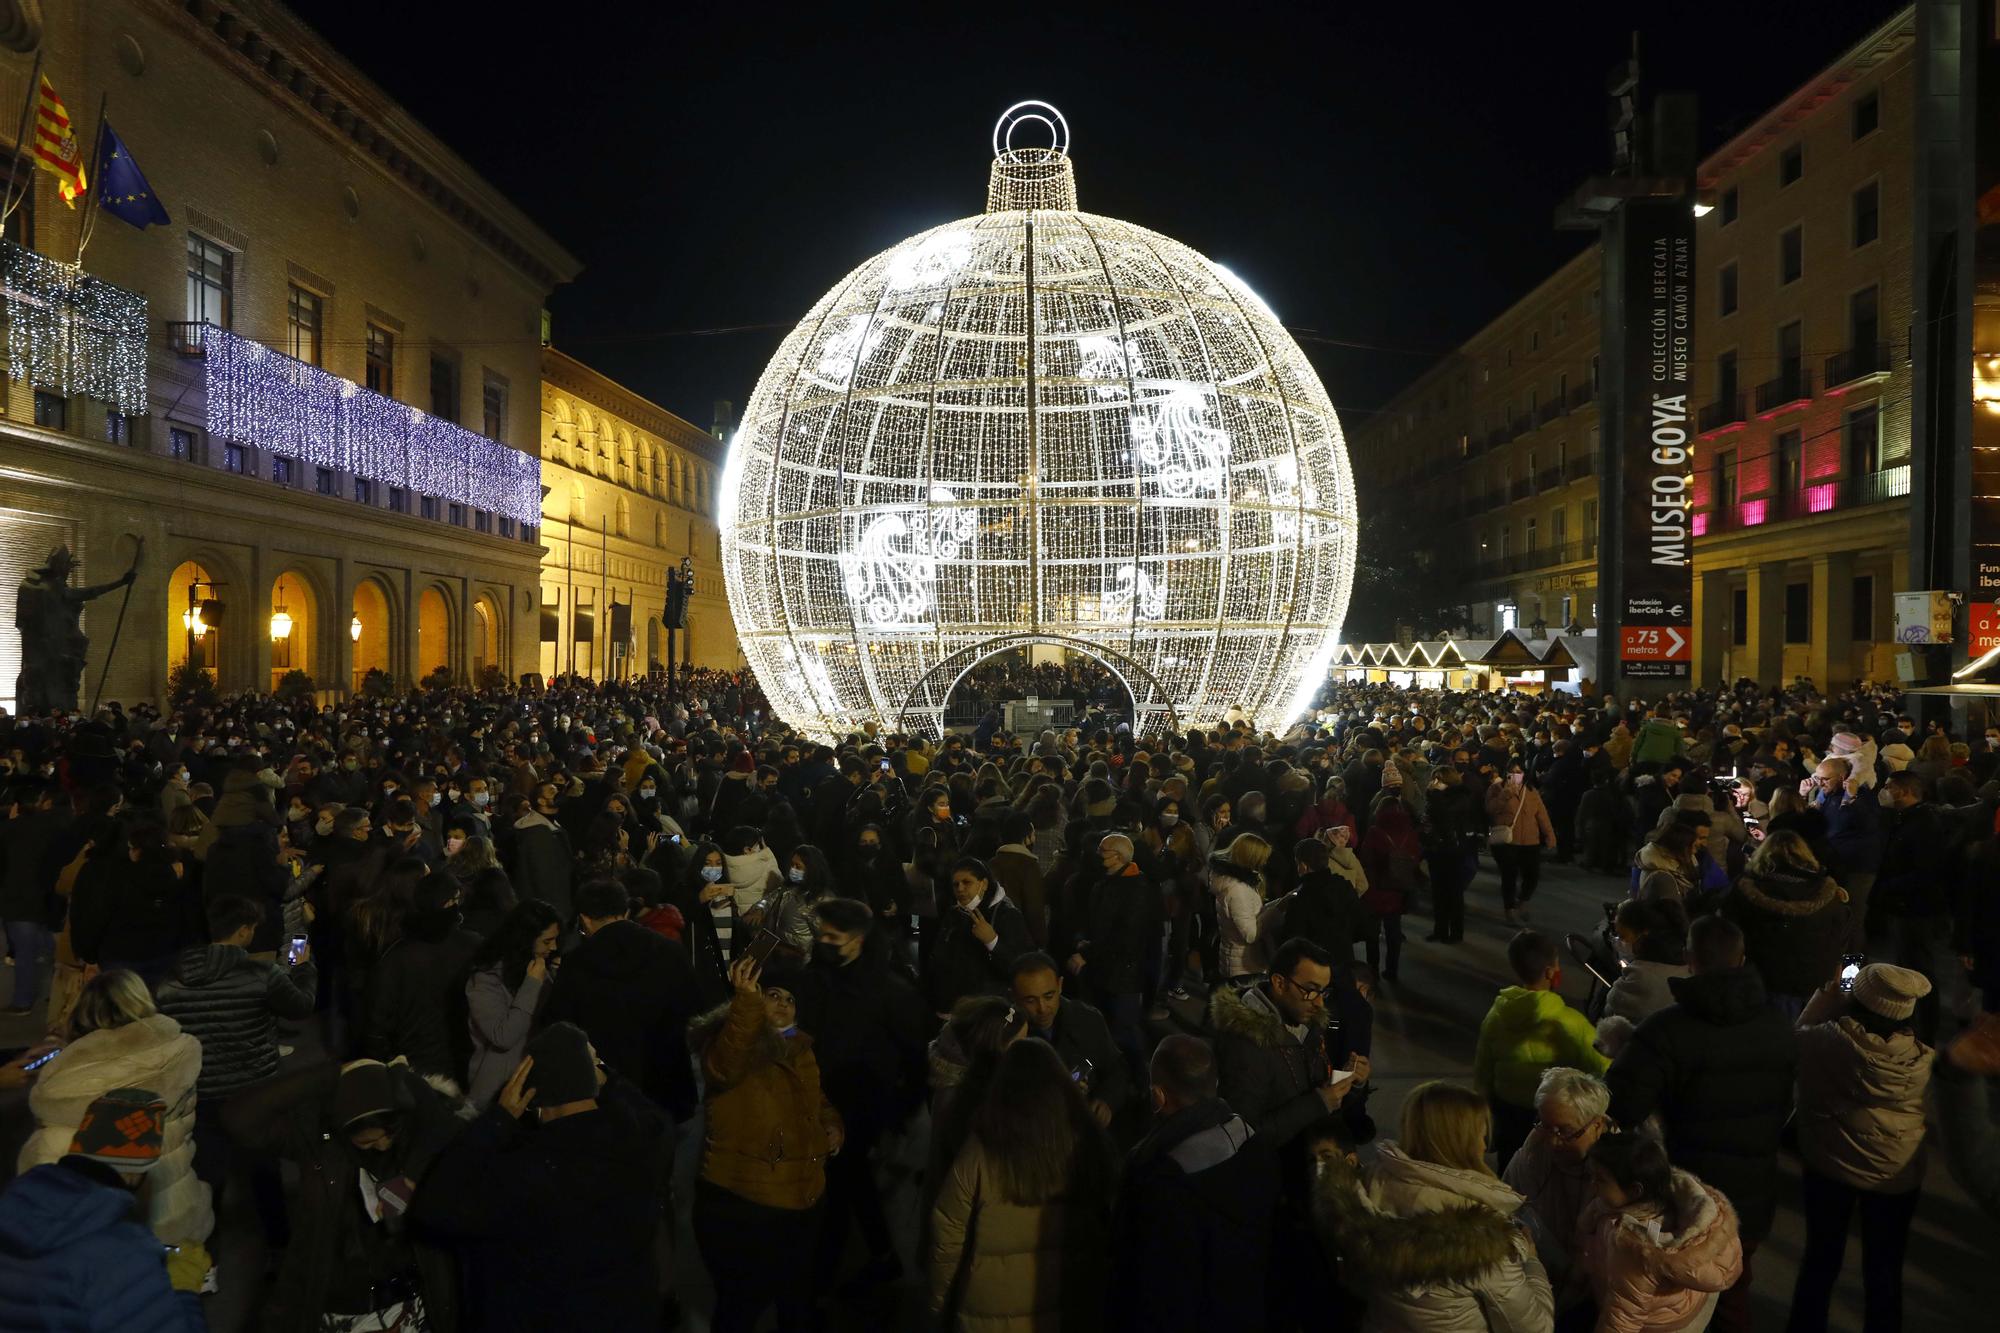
column 828, row 955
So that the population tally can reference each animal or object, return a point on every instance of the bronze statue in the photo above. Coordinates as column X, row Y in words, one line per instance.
column 48, row 612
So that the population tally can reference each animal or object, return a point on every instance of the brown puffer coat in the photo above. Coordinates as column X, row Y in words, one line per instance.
column 1861, row 1105
column 767, row 1120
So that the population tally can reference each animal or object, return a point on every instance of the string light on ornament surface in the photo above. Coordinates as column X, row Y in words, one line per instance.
column 73, row 333
column 1155, row 476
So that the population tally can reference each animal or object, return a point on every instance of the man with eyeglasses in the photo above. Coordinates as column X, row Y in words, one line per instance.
column 1550, row 1171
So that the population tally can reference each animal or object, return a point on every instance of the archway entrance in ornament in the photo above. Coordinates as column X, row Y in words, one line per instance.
column 940, row 701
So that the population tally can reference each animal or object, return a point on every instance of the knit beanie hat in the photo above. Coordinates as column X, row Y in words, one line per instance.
column 1897, row 756
column 564, row 1071
column 366, row 1088
column 1892, row 992
column 122, row 1130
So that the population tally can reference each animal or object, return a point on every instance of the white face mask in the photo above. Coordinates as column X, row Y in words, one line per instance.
column 437, row 798
column 647, row 792
column 713, row 874
column 1169, row 820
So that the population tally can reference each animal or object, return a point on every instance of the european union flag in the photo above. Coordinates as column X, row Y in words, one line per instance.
column 122, row 189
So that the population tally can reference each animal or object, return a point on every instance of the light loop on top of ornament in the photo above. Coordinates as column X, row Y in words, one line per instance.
column 1022, row 113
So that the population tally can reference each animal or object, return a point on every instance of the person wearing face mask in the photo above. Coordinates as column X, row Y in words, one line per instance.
column 476, row 806
column 707, row 905
column 543, row 860
column 364, row 1137
column 871, row 1033
column 934, row 837
column 787, row 912
column 772, row 1132
column 977, row 940
column 1019, row 872
column 511, row 976
column 1191, row 1234
column 485, row 893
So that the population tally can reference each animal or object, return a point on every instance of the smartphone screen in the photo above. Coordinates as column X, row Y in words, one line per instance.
column 1850, row 968
column 761, row 947
column 39, row 1061
column 297, row 950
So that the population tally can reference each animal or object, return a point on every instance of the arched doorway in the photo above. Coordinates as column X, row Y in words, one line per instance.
column 370, row 629
column 294, row 626
column 433, row 633
column 485, row 637
column 194, row 628
column 927, row 709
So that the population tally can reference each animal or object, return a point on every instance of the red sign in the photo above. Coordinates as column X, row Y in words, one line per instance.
column 1657, row 643
column 1983, row 621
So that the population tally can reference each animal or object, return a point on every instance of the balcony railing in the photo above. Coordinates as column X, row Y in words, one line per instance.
column 1521, row 488
column 1521, row 425
column 291, row 409
column 1579, row 468
column 1542, row 557
column 1549, row 411
column 1496, row 438
column 1722, row 412
column 1858, row 362
column 1581, row 396
column 72, row 333
column 1548, row 478
column 1810, row 500
column 1794, row 386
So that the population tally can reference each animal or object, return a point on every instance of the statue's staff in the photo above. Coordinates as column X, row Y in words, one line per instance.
column 103, row 675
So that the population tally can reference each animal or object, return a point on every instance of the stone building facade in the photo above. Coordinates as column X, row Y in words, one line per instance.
column 336, row 435
column 1801, row 472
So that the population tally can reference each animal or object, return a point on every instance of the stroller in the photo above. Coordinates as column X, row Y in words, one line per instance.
column 1598, row 955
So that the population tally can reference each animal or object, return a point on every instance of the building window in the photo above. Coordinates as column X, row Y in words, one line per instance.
column 1791, row 463
column 427, row 507
column 506, row 526
column 531, row 533
column 51, row 410
column 326, row 481
column 281, row 471
column 399, row 500
column 1558, row 527
column 1862, row 608
column 1529, row 536
column 482, row 521
column 1725, row 289
column 456, row 514
column 1791, row 165
column 1867, row 210
column 444, row 387
column 117, row 427
column 180, row 443
column 381, row 360
column 1798, row 613
column 1867, row 114
column 1791, row 254
column 235, row 458
column 211, row 282
column 1590, row 520
column 1863, row 428
column 1739, row 617
column 304, row 312
column 364, row 491
column 1791, row 352
column 1725, row 478
column 1725, row 377
column 1728, row 209
column 493, row 410
column 1864, row 324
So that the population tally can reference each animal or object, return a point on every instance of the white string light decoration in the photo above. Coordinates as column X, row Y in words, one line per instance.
column 1037, row 422
column 73, row 333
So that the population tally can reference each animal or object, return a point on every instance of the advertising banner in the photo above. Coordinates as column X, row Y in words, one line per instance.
column 1657, row 619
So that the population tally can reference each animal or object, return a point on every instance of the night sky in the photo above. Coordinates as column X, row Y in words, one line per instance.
column 1384, row 176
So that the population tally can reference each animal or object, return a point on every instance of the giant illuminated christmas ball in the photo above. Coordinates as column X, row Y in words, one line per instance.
column 1033, row 426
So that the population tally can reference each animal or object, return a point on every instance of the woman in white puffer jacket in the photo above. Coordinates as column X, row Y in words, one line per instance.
column 117, row 1039
column 1236, row 878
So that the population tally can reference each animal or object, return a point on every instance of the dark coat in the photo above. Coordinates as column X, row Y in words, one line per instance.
column 960, row 965
column 1271, row 1077
column 870, row 1032
column 1325, row 909
column 1793, row 928
column 124, row 912
column 564, row 1215
column 1718, row 1067
column 1854, row 835
column 1121, row 915
column 416, row 997
column 633, row 991
column 541, row 867
column 26, row 872
column 231, row 1003
column 1192, row 1230
column 243, row 863
column 291, row 1116
column 1080, row 1033
column 73, row 1258
column 1921, row 863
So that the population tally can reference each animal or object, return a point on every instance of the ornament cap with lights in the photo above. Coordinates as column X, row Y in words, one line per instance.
column 1037, row 425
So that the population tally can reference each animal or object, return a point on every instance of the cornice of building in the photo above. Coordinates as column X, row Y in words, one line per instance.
column 293, row 64
column 601, row 391
column 1895, row 37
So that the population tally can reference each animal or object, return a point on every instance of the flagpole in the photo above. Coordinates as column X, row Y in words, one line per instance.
column 91, row 189
column 20, row 133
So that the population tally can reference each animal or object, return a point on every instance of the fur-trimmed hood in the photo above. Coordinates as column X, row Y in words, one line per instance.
column 770, row 1048
column 1412, row 1224
column 1250, row 1013
column 1790, row 895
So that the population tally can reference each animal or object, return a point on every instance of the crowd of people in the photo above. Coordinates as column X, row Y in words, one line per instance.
column 1116, row 994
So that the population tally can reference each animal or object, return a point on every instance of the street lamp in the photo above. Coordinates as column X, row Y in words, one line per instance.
column 281, row 624
column 354, row 629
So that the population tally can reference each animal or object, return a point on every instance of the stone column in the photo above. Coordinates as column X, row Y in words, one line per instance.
column 1711, row 624
column 1764, row 652
column 1831, row 659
